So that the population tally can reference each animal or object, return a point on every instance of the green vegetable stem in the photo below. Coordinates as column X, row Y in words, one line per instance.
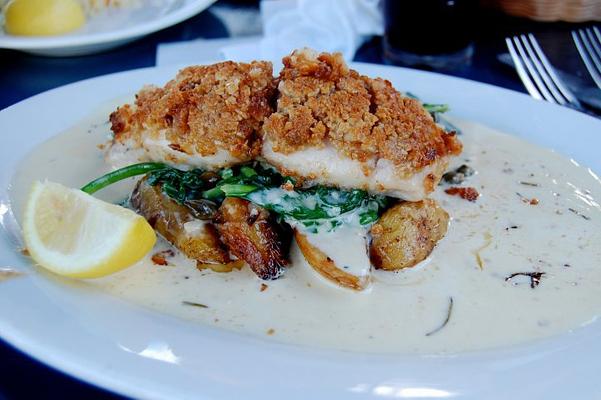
column 120, row 174
column 260, row 184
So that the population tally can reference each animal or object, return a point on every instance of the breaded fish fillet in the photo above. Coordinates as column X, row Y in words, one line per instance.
column 207, row 117
column 335, row 127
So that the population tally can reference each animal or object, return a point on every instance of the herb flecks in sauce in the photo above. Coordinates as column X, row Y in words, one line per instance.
column 194, row 304
column 579, row 214
column 487, row 242
column 529, row 184
column 446, row 321
column 535, row 277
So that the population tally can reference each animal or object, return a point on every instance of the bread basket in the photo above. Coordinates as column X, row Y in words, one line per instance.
column 553, row 10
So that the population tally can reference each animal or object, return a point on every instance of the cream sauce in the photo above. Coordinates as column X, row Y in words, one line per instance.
column 346, row 246
column 345, row 242
column 559, row 236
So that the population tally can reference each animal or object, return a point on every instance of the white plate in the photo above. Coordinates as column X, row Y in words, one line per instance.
column 109, row 29
column 141, row 353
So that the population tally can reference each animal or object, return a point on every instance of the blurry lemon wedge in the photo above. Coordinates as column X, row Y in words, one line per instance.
column 74, row 234
column 43, row 17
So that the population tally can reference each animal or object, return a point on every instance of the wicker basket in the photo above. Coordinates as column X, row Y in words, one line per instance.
column 553, row 10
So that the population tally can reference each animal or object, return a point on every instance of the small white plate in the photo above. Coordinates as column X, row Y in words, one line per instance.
column 109, row 29
column 144, row 354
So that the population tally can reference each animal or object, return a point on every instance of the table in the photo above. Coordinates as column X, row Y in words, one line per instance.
column 23, row 75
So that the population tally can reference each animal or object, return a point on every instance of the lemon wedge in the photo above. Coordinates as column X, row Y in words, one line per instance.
column 43, row 17
column 74, row 234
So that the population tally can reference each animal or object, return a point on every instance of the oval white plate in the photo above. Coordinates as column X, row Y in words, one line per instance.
column 143, row 354
column 109, row 29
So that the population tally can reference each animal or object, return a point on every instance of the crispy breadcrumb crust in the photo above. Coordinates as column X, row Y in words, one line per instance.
column 203, row 110
column 321, row 101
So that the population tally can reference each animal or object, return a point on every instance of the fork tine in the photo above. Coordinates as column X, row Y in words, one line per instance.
column 596, row 55
column 581, row 45
column 548, row 81
column 551, row 72
column 594, row 50
column 519, row 67
column 533, row 72
column 597, row 33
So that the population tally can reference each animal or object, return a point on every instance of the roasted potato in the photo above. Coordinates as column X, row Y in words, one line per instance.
column 406, row 234
column 196, row 238
column 253, row 235
column 327, row 268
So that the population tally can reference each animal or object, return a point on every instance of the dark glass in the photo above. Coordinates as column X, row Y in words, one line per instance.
column 436, row 33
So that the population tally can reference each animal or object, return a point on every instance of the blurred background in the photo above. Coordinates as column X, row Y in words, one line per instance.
column 49, row 43
column 464, row 38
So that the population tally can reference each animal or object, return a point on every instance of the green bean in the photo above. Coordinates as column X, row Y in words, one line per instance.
column 120, row 174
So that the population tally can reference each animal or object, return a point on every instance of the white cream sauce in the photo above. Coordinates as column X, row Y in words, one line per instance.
column 559, row 236
column 346, row 246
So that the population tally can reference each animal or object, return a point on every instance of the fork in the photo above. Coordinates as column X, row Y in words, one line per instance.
column 588, row 43
column 536, row 72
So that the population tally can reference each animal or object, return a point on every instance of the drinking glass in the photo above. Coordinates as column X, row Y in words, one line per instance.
column 435, row 34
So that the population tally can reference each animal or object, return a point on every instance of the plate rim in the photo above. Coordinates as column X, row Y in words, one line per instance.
column 187, row 10
column 119, row 386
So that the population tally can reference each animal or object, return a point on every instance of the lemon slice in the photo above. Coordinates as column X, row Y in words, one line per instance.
column 43, row 17
column 74, row 234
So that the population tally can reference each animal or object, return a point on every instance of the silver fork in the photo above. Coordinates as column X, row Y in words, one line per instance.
column 536, row 72
column 588, row 43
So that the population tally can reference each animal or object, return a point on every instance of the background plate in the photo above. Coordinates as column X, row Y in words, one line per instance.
column 108, row 30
